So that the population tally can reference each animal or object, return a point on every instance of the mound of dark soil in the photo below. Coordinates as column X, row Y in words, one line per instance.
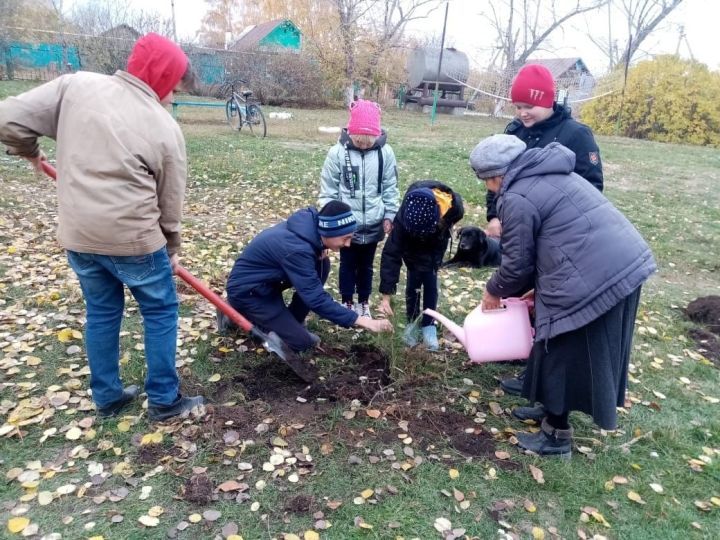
column 705, row 310
column 707, row 345
column 300, row 504
column 198, row 489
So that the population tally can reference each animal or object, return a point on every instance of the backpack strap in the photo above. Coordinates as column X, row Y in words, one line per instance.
column 381, row 169
column 348, row 173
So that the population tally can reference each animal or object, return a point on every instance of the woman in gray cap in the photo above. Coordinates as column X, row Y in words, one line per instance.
column 586, row 263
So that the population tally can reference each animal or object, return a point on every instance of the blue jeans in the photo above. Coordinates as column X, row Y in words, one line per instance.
column 150, row 280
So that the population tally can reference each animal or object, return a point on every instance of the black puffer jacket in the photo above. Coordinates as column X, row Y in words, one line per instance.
column 562, row 128
column 418, row 253
column 566, row 240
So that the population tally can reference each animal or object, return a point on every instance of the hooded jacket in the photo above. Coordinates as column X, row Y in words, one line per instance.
column 422, row 254
column 562, row 128
column 287, row 255
column 120, row 159
column 375, row 195
column 562, row 236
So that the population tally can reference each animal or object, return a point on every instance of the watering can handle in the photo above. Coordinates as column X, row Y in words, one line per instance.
column 529, row 302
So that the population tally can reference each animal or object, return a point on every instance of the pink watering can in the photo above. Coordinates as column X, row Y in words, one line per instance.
column 494, row 335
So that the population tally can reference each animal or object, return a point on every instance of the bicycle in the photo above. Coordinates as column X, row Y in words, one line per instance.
column 242, row 111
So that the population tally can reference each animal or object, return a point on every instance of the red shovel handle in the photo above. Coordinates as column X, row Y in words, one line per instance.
column 214, row 298
column 49, row 169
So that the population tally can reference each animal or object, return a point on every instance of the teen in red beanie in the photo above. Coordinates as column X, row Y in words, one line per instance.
column 534, row 85
column 121, row 173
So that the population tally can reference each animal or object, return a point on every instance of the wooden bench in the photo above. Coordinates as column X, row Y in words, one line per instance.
column 176, row 104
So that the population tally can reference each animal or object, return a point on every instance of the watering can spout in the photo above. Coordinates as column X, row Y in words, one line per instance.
column 456, row 329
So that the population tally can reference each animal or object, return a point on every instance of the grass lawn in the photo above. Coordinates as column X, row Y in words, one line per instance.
column 428, row 448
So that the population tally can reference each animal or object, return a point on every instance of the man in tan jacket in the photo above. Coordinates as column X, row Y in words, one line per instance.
column 120, row 187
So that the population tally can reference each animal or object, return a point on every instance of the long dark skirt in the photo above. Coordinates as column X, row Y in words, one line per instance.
column 586, row 369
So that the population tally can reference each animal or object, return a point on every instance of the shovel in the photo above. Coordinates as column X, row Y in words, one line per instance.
column 270, row 341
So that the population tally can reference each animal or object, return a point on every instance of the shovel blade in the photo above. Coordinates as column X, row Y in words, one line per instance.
column 272, row 343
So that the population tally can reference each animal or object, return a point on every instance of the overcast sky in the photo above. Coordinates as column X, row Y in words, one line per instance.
column 469, row 31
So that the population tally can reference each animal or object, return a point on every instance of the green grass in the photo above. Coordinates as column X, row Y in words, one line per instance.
column 237, row 186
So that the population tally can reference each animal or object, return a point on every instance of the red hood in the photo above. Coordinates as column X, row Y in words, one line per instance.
column 158, row 62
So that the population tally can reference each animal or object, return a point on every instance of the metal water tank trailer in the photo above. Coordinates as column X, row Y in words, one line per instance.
column 422, row 68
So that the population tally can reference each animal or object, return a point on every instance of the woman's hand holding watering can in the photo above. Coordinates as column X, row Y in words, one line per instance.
column 490, row 301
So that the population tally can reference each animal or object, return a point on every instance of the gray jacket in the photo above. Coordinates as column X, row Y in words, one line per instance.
column 561, row 236
column 371, row 198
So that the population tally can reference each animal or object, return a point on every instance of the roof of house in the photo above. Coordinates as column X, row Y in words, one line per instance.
column 121, row 30
column 558, row 66
column 253, row 35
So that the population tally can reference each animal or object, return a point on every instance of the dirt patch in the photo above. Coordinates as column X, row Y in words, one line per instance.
column 240, row 419
column 364, row 372
column 300, row 504
column 705, row 310
column 481, row 444
column 152, row 454
column 474, row 444
column 707, row 345
column 198, row 489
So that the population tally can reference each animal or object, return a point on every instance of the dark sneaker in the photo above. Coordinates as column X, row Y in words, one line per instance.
column 129, row 394
column 315, row 338
column 514, row 386
column 549, row 441
column 183, row 407
column 529, row 413
column 224, row 324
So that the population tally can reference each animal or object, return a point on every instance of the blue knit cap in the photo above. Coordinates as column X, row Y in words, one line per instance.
column 340, row 224
column 422, row 212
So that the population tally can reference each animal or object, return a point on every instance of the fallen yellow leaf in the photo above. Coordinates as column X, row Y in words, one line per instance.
column 73, row 434
column 366, row 494
column 538, row 533
column 214, row 378
column 123, row 426
column 194, row 518
column 311, row 535
column 17, row 524
column 635, row 497
column 454, row 473
column 151, row 438
column 149, row 521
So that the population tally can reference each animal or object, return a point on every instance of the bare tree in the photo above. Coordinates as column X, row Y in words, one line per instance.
column 95, row 17
column 524, row 26
column 388, row 20
column 350, row 12
column 641, row 17
column 221, row 16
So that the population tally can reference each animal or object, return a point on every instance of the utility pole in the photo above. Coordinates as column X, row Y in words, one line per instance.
column 440, row 57
column 174, row 29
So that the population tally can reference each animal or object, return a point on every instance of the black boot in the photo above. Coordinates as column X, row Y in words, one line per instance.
column 514, row 386
column 182, row 406
column 536, row 413
column 129, row 394
column 549, row 441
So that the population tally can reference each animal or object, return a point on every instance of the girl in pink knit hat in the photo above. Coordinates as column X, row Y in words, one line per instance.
column 361, row 171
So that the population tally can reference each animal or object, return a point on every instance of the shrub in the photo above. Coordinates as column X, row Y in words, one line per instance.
column 666, row 99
